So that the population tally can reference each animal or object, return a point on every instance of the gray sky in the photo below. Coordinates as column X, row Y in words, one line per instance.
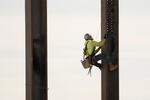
column 68, row 20
column 74, row 7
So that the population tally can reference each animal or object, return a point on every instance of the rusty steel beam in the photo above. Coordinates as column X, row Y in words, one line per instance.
column 36, row 49
column 110, row 24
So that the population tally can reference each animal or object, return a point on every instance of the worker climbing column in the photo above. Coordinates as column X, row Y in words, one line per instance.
column 36, row 49
column 110, row 25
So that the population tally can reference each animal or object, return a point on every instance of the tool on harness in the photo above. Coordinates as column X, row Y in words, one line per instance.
column 86, row 63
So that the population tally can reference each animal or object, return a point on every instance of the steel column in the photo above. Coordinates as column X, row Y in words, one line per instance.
column 36, row 49
column 110, row 24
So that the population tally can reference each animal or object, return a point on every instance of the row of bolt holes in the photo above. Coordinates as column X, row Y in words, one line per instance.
column 109, row 23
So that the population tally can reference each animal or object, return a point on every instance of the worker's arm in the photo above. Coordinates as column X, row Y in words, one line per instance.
column 99, row 44
column 92, row 44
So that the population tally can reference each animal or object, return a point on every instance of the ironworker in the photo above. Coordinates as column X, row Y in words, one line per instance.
column 91, row 49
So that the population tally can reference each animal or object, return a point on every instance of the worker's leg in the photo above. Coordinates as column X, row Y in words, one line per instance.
column 96, row 58
column 108, row 60
column 99, row 57
column 97, row 64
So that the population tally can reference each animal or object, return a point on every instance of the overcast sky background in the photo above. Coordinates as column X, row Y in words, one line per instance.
column 68, row 20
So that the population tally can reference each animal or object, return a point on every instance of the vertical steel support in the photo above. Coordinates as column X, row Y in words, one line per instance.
column 110, row 24
column 36, row 49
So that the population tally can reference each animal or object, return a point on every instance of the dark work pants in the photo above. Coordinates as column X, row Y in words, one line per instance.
column 98, row 57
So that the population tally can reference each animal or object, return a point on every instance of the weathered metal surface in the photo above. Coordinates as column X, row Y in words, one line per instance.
column 36, row 49
column 110, row 24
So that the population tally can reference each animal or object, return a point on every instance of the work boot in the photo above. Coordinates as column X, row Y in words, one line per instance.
column 112, row 67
